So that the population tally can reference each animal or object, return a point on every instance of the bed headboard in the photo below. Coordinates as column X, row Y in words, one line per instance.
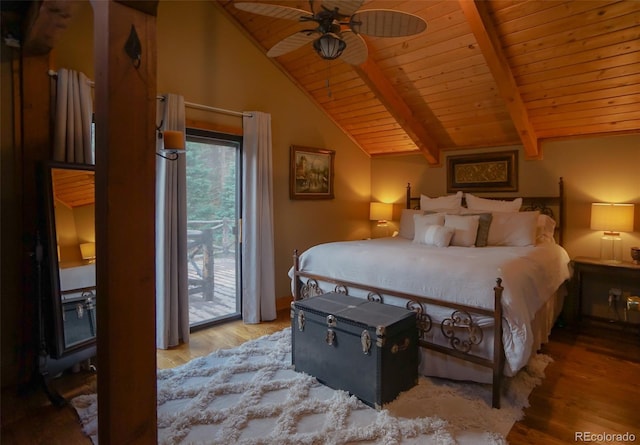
column 552, row 206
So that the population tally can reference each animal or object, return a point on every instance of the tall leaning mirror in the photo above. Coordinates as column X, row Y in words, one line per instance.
column 69, row 192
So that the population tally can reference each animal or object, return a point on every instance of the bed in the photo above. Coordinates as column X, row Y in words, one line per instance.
column 486, row 277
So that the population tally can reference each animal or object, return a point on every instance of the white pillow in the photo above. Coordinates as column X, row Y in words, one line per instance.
column 546, row 229
column 513, row 229
column 442, row 203
column 466, row 229
column 438, row 236
column 407, row 225
column 421, row 222
column 492, row 205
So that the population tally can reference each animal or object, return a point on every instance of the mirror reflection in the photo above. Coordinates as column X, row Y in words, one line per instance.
column 73, row 192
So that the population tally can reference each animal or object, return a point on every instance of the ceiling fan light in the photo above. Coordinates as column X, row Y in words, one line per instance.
column 329, row 46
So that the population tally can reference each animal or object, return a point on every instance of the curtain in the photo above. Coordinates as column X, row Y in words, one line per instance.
column 258, row 271
column 72, row 140
column 172, row 292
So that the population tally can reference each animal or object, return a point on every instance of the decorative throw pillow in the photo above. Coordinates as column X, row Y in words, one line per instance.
column 407, row 225
column 442, row 203
column 492, row 205
column 466, row 229
column 421, row 222
column 438, row 236
column 484, row 222
column 513, row 229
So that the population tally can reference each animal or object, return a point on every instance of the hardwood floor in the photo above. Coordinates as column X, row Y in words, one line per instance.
column 593, row 386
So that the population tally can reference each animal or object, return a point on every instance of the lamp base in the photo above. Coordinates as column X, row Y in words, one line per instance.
column 611, row 247
column 635, row 255
column 380, row 230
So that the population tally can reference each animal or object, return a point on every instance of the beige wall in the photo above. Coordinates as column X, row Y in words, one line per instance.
column 205, row 58
column 594, row 169
column 73, row 227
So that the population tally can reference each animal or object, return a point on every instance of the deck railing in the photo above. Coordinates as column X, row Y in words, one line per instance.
column 205, row 240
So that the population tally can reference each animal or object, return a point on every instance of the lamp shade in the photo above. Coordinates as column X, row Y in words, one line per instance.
column 380, row 211
column 88, row 251
column 612, row 217
column 329, row 46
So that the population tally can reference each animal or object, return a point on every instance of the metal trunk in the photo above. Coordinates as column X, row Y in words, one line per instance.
column 368, row 349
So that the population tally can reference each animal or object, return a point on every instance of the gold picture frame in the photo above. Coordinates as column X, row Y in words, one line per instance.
column 311, row 173
column 486, row 172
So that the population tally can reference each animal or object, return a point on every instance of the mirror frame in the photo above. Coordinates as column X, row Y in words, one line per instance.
column 51, row 304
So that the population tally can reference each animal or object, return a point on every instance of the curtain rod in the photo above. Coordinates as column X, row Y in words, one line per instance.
column 217, row 110
column 186, row 104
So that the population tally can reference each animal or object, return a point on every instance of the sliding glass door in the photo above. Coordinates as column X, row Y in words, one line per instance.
column 213, row 209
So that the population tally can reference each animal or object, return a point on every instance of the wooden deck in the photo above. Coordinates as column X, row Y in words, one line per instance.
column 224, row 296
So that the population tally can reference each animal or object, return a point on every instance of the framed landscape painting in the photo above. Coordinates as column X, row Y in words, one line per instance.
column 487, row 172
column 311, row 173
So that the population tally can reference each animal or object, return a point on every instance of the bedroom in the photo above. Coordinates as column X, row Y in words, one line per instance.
column 300, row 224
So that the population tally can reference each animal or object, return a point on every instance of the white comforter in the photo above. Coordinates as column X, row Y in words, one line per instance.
column 467, row 275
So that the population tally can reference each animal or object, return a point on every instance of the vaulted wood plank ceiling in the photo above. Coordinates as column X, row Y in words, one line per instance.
column 483, row 74
column 73, row 188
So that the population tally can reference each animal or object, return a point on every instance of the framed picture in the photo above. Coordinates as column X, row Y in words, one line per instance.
column 486, row 172
column 311, row 173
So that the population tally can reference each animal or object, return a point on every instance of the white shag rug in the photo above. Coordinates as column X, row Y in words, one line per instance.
column 252, row 395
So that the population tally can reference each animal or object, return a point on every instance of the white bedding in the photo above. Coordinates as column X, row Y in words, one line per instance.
column 72, row 278
column 466, row 275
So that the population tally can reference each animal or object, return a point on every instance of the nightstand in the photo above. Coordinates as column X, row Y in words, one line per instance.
column 600, row 290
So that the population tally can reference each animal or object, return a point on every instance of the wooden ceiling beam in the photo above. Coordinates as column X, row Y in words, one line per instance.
column 373, row 76
column 479, row 20
column 46, row 22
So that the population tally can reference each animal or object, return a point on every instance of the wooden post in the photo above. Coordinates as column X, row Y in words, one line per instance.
column 498, row 348
column 208, row 285
column 296, row 269
column 227, row 241
column 125, row 112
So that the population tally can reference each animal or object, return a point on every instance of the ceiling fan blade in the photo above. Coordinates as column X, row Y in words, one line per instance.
column 387, row 23
column 278, row 11
column 356, row 51
column 345, row 7
column 293, row 42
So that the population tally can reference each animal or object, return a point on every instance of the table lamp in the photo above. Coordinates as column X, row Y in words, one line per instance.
column 381, row 212
column 88, row 252
column 613, row 219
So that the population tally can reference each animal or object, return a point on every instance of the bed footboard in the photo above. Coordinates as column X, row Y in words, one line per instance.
column 460, row 328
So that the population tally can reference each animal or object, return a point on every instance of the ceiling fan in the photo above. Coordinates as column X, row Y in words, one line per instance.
column 338, row 29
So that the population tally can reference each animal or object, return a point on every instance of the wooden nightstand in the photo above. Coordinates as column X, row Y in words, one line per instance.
column 592, row 282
